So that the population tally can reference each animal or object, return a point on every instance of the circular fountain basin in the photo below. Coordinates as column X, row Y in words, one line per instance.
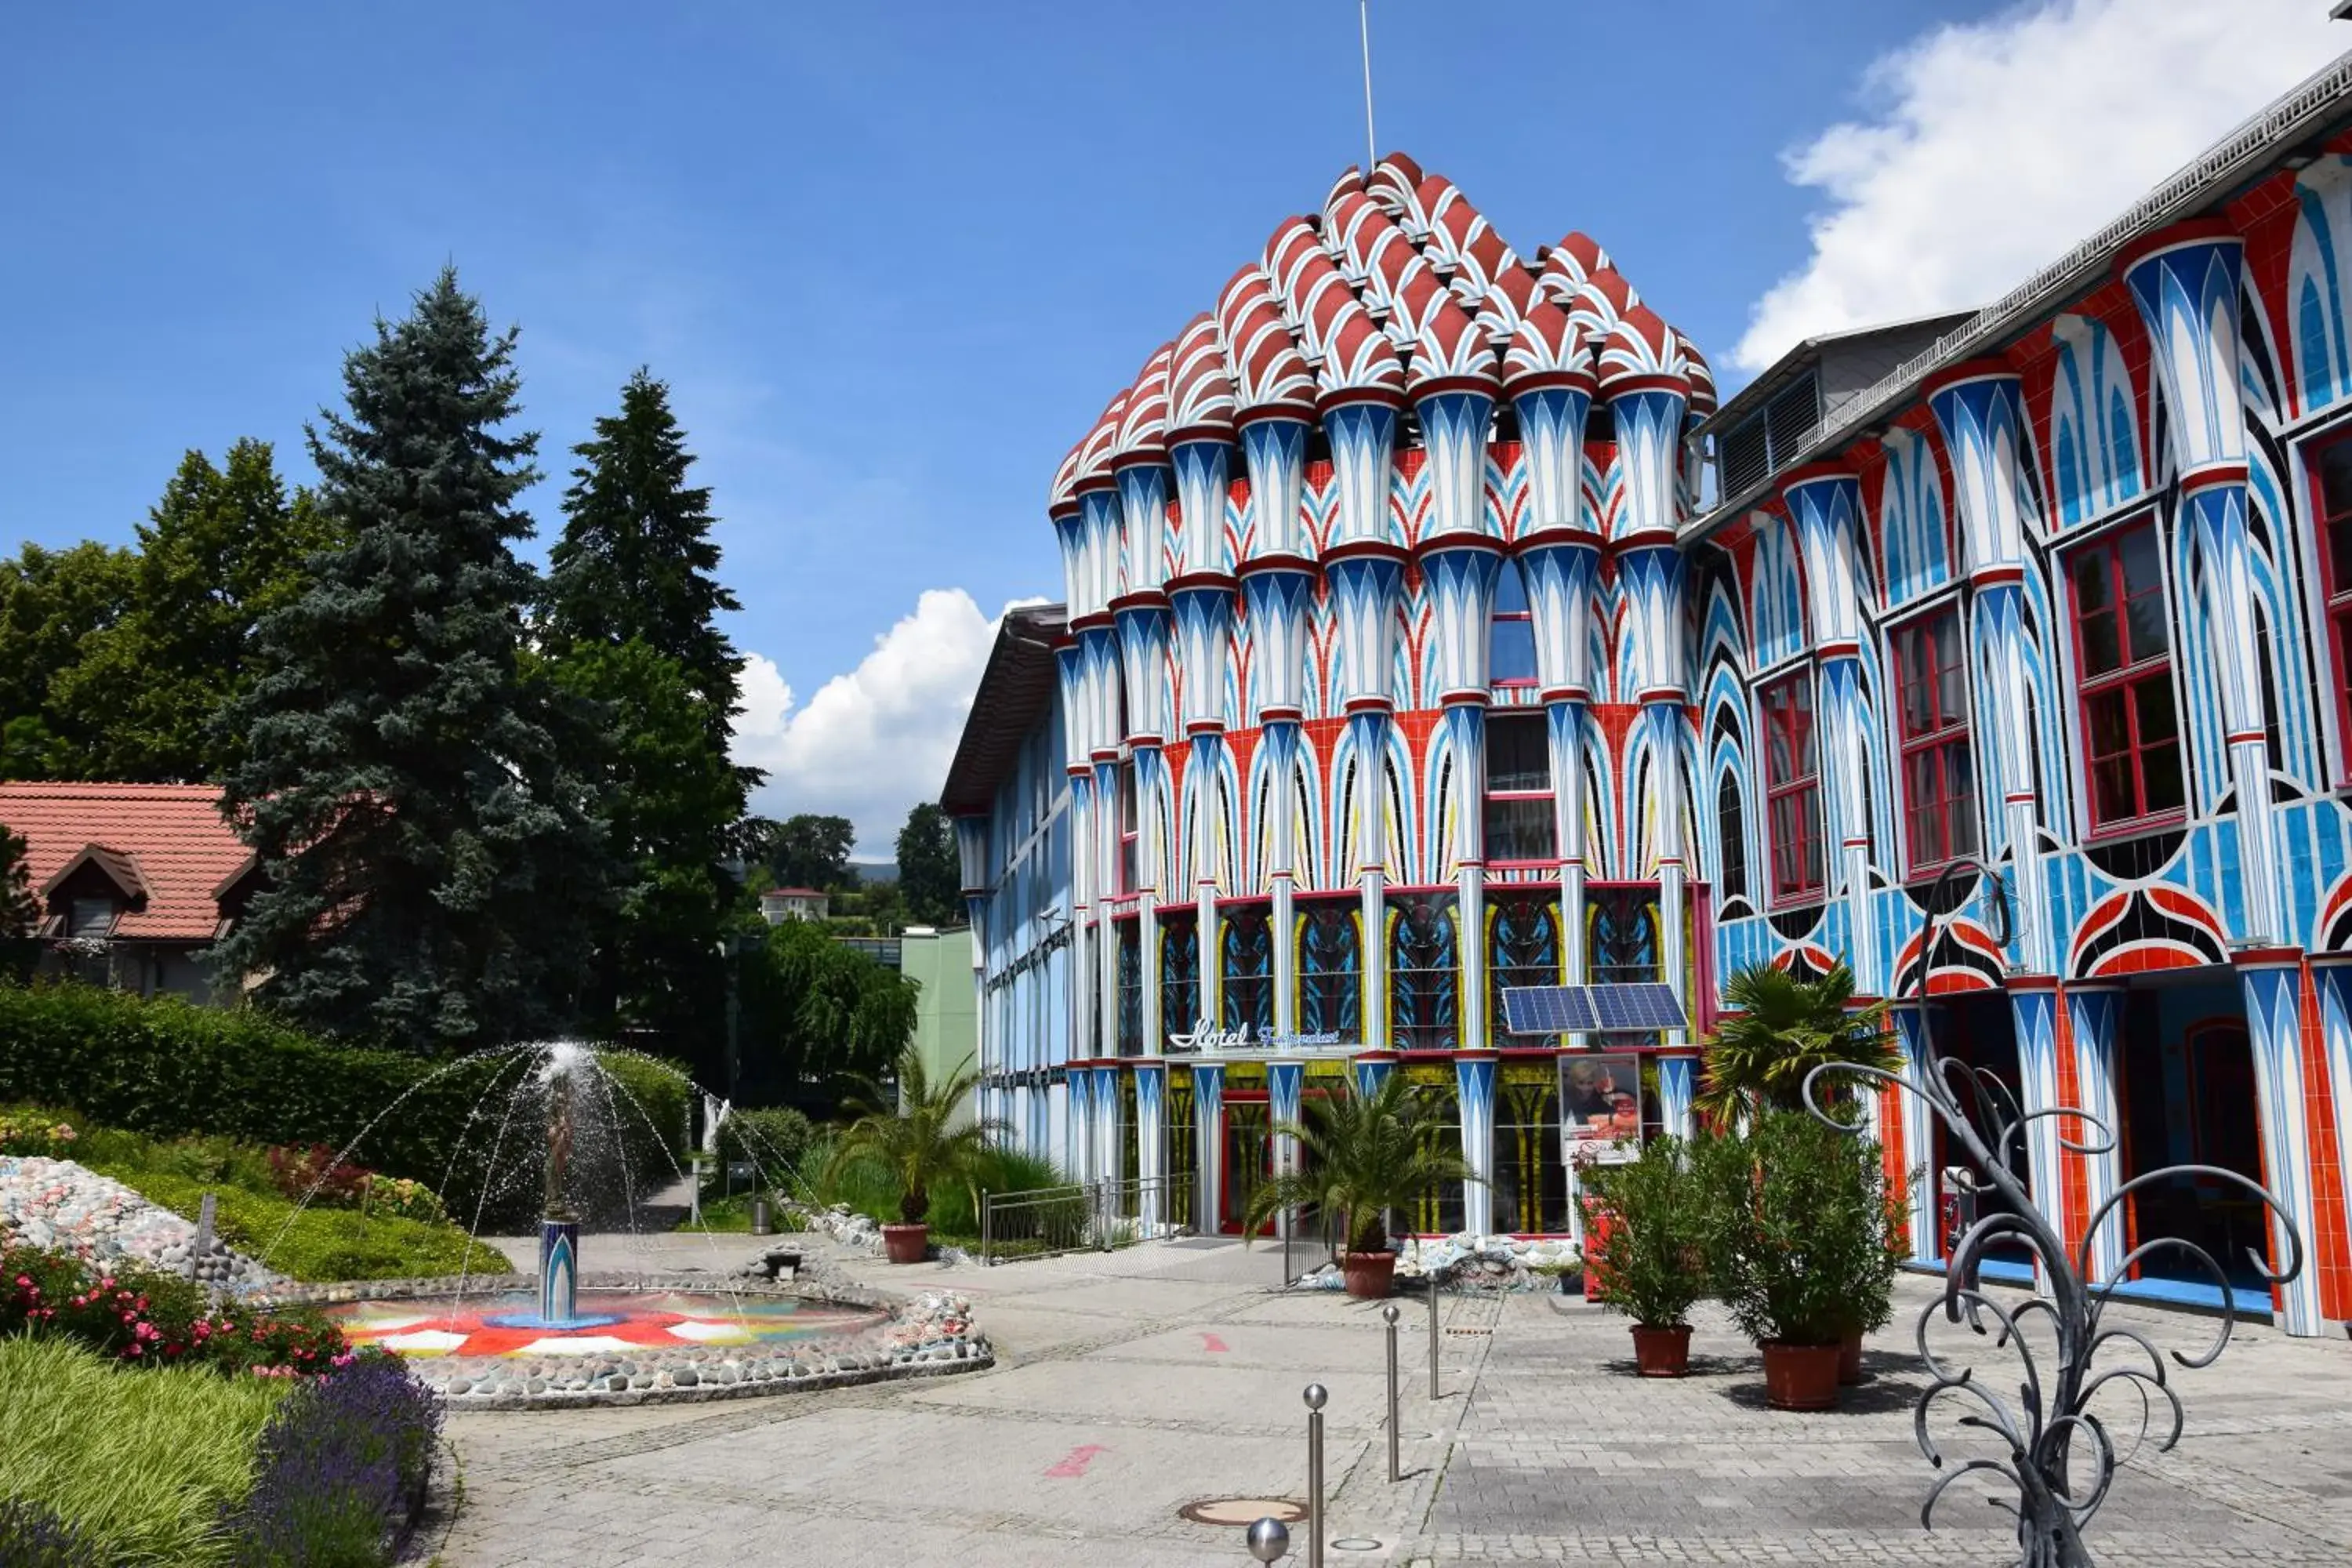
column 645, row 1338
column 610, row 1323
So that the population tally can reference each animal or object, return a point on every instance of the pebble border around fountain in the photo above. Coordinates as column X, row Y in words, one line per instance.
column 929, row 1335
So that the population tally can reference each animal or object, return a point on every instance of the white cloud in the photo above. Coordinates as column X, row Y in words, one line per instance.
column 1998, row 145
column 871, row 743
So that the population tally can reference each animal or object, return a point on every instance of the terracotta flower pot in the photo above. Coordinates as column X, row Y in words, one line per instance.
column 1369, row 1274
column 1850, row 1361
column 1800, row 1378
column 1662, row 1351
column 906, row 1243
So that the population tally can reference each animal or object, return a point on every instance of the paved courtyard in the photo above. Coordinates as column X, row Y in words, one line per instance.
column 1131, row 1384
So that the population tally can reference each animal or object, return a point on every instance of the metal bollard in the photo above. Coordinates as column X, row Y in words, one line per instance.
column 1432, row 1337
column 762, row 1223
column 1315, row 1400
column 1389, row 1315
column 1269, row 1540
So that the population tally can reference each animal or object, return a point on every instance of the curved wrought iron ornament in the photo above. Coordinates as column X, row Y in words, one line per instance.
column 2062, row 1456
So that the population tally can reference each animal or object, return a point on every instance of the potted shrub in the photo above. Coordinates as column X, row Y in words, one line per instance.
column 916, row 1140
column 1364, row 1155
column 1786, row 1223
column 1646, row 1253
column 1874, row 1253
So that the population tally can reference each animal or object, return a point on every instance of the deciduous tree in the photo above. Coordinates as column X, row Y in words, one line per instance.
column 931, row 875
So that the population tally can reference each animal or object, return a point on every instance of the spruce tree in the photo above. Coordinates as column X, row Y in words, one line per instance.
column 431, row 860
column 636, row 561
column 630, row 627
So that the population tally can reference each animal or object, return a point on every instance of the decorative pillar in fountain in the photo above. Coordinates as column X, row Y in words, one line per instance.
column 559, row 1227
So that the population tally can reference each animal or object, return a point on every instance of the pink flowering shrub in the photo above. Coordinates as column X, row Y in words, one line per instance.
column 35, row 1133
column 147, row 1318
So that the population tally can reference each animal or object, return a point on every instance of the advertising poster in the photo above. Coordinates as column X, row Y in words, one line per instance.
column 1600, row 1109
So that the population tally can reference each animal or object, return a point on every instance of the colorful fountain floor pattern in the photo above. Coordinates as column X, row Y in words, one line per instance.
column 613, row 1324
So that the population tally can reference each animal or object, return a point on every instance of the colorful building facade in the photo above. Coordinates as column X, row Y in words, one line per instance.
column 1412, row 651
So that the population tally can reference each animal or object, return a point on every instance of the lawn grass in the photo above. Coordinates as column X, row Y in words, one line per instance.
column 143, row 1463
column 320, row 1244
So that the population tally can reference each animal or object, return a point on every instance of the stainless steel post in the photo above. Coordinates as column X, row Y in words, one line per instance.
column 1389, row 1315
column 1433, row 1336
column 1315, row 1398
column 984, row 1218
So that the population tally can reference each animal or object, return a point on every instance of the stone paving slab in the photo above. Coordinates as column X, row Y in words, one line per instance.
column 1107, row 1416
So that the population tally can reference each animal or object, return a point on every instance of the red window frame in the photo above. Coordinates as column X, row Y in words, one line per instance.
column 1524, row 615
column 2332, row 540
column 1938, row 757
column 1532, row 719
column 1128, row 813
column 2132, row 763
column 1792, row 785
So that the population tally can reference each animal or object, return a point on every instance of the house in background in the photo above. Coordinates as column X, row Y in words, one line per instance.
column 778, row 905
column 133, row 881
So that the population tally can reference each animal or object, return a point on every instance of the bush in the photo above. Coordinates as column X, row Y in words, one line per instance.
column 865, row 1185
column 775, row 1140
column 165, row 1067
column 341, row 1472
column 137, row 1316
column 1646, row 1254
column 141, row 1468
column 31, row 1132
column 1799, row 1230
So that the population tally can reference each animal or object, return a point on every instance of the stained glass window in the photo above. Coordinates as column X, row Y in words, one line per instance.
column 1423, row 972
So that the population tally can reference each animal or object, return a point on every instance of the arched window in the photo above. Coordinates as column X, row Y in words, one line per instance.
column 1330, row 969
column 1731, row 827
column 1511, row 634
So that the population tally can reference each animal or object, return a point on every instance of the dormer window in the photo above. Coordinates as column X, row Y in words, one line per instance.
column 92, row 919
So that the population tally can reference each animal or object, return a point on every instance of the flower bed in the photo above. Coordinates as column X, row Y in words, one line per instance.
column 132, row 1314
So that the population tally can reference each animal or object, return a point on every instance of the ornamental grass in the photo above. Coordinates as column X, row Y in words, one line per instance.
column 134, row 1468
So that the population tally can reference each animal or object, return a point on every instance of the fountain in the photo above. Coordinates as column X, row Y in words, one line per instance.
column 566, row 1336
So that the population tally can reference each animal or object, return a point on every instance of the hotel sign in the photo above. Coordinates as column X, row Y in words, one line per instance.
column 1208, row 1039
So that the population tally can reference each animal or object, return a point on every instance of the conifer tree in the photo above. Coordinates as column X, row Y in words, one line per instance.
column 630, row 627
column 431, row 861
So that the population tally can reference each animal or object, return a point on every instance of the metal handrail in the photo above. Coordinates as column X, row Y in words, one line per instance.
column 1077, row 1216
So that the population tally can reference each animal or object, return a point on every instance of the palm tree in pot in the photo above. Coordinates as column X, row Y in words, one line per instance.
column 916, row 1137
column 1646, row 1258
column 1777, row 1029
column 1366, row 1153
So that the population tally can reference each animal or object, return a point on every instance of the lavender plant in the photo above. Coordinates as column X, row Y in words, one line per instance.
column 33, row 1537
column 342, row 1471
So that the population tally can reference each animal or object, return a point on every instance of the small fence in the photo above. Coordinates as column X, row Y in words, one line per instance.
column 1085, row 1217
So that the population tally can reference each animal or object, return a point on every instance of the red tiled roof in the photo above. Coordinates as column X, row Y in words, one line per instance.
column 184, row 853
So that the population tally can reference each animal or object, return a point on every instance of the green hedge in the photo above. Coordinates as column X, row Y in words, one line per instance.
column 168, row 1067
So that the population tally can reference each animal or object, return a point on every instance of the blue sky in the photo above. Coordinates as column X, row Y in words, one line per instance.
column 892, row 258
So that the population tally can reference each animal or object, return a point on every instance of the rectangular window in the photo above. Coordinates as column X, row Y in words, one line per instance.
column 1127, row 818
column 1792, row 785
column 1939, row 791
column 2131, row 734
column 1511, row 634
column 2331, row 483
column 1518, row 789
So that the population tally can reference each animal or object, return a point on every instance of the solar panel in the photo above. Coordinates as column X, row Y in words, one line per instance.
column 1546, row 1009
column 1630, row 1007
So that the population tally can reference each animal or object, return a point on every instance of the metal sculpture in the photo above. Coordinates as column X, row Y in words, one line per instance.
column 2050, row 1423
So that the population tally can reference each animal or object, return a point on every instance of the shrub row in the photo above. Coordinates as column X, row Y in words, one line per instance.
column 167, row 1068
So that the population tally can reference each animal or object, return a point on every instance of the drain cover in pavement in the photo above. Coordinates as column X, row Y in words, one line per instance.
column 1355, row 1544
column 1242, row 1511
